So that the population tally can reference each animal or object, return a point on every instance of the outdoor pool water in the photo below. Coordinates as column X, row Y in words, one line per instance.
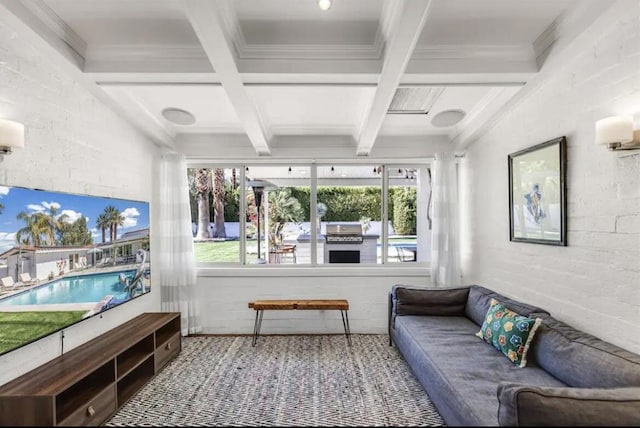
column 73, row 289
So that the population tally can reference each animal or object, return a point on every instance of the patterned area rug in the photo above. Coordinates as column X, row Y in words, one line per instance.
column 282, row 381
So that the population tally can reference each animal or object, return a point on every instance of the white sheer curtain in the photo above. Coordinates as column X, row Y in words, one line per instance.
column 445, row 245
column 175, row 268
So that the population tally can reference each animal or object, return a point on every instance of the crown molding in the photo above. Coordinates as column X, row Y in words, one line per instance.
column 333, row 130
column 545, row 40
column 225, row 128
column 56, row 25
column 152, row 58
column 473, row 52
column 312, row 52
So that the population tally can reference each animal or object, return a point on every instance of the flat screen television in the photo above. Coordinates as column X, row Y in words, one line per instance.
column 65, row 258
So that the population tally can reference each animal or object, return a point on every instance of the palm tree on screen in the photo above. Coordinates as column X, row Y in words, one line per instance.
column 35, row 230
column 54, row 223
column 102, row 222
column 114, row 219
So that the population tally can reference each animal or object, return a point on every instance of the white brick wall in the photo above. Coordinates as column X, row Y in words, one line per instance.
column 224, row 299
column 73, row 144
column 594, row 283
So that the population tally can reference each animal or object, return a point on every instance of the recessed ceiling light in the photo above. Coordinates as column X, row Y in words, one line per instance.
column 178, row 116
column 324, row 4
column 447, row 118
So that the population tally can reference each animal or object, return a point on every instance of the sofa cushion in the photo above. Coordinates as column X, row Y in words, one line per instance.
column 479, row 301
column 459, row 372
column 429, row 301
column 526, row 405
column 508, row 332
column 582, row 360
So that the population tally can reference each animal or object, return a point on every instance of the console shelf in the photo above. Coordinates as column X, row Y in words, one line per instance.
column 88, row 384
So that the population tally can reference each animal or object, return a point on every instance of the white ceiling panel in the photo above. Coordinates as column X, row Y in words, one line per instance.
column 208, row 103
column 489, row 22
column 312, row 110
column 303, row 32
column 126, row 22
column 307, row 10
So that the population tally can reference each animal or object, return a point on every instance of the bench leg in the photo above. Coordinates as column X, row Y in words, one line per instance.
column 345, row 323
column 256, row 326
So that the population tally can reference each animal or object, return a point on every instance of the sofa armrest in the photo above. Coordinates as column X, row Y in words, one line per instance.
column 407, row 300
column 527, row 405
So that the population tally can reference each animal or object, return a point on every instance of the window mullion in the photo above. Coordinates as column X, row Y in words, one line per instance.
column 385, row 213
column 313, row 215
column 243, row 216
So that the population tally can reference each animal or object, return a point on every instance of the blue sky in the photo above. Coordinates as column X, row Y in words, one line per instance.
column 18, row 199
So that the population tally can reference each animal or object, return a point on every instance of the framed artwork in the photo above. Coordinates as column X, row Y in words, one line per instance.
column 537, row 194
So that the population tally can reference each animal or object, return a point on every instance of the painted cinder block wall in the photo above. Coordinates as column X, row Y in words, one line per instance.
column 594, row 282
column 74, row 144
column 224, row 294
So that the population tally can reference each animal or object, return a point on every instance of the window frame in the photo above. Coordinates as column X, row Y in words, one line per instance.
column 241, row 165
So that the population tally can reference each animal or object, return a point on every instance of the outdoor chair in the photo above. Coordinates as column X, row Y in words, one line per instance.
column 107, row 261
column 8, row 283
column 25, row 278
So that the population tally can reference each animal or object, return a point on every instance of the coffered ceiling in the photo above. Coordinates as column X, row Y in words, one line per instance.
column 262, row 72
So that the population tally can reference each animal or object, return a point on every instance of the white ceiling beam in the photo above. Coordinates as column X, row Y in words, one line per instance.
column 40, row 20
column 139, row 78
column 482, row 112
column 105, row 78
column 149, row 122
column 405, row 33
column 50, row 44
column 150, row 58
column 304, row 148
column 209, row 27
column 461, row 69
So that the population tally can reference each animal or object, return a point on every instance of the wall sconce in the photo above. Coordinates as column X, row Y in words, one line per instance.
column 617, row 133
column 11, row 136
column 324, row 4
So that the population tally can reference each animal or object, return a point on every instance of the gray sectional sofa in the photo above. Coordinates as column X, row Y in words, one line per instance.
column 571, row 378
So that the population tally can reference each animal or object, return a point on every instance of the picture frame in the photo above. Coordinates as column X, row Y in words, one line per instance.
column 537, row 194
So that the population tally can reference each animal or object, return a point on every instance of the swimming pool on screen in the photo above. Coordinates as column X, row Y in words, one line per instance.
column 73, row 289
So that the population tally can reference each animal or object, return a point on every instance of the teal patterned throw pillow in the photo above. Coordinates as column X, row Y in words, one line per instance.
column 508, row 332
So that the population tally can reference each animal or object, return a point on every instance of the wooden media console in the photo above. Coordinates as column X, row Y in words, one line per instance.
column 88, row 384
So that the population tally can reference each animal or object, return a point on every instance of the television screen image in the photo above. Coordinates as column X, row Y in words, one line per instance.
column 67, row 257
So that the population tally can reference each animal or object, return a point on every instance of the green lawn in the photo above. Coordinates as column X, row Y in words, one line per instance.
column 19, row 328
column 217, row 251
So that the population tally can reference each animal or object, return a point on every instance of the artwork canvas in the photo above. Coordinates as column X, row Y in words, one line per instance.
column 537, row 195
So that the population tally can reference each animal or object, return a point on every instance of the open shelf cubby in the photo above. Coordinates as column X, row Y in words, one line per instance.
column 130, row 384
column 133, row 356
column 86, row 385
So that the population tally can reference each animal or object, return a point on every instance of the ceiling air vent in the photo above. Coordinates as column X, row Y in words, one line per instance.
column 414, row 100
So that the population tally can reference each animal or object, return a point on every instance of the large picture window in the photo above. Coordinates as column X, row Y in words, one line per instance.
column 311, row 215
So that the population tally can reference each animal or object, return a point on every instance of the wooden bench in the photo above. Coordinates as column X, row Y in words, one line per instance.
column 261, row 305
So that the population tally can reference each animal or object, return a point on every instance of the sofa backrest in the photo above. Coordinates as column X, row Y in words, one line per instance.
column 479, row 301
column 442, row 302
column 582, row 360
